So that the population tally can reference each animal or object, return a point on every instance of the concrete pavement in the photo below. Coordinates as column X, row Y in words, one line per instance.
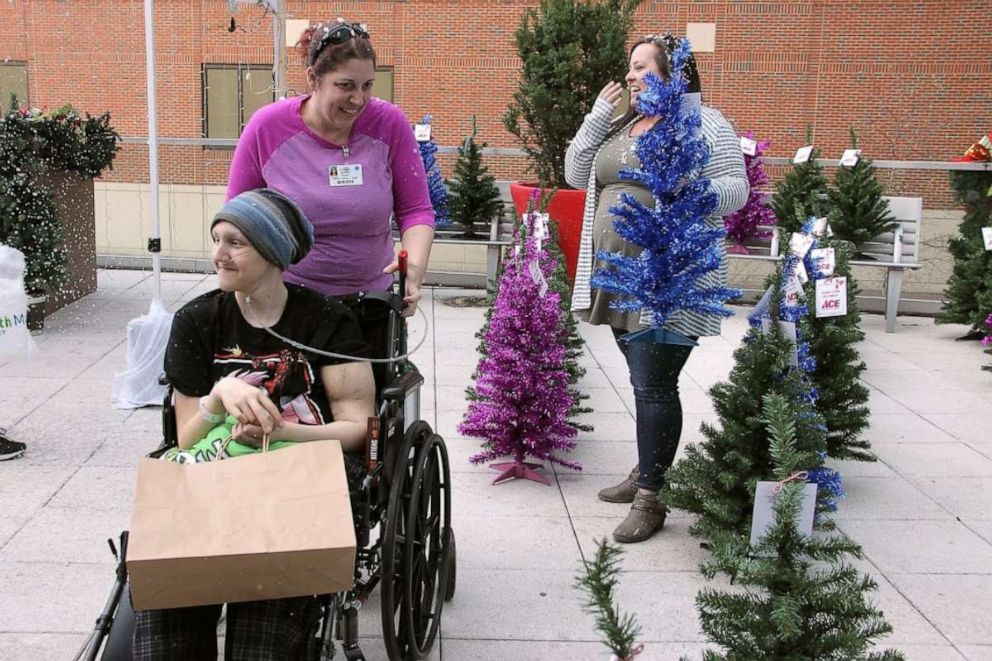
column 922, row 513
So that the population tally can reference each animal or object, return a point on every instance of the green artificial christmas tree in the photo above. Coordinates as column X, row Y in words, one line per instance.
column 473, row 196
column 716, row 478
column 858, row 212
column 599, row 581
column 797, row 597
column 843, row 398
column 574, row 345
column 968, row 296
column 805, row 186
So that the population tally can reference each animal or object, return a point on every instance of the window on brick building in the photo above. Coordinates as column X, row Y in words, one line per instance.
column 13, row 80
column 231, row 95
column 383, row 85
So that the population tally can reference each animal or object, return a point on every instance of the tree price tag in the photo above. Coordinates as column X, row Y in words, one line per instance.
column 987, row 237
column 763, row 515
column 763, row 305
column 749, row 146
column 422, row 132
column 537, row 275
column 799, row 244
column 801, row 273
column 819, row 227
column 802, row 154
column 831, row 297
column 824, row 261
column 541, row 225
column 794, row 291
column 850, row 157
column 788, row 329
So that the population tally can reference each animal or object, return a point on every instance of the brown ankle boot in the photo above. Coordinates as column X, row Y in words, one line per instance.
column 646, row 517
column 623, row 492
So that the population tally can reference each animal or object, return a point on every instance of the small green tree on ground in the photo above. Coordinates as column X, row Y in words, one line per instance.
column 858, row 212
column 599, row 581
column 574, row 344
column 798, row 598
column 804, row 185
column 473, row 196
column 842, row 397
column 716, row 478
column 968, row 295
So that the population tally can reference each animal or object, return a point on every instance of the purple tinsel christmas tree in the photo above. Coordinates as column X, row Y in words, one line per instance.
column 743, row 224
column 522, row 384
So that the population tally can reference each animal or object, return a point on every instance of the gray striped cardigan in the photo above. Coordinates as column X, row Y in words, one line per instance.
column 727, row 176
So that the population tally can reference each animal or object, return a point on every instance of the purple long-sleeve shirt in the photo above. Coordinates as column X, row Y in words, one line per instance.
column 352, row 237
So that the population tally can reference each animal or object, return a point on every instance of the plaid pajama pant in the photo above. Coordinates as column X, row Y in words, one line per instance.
column 274, row 630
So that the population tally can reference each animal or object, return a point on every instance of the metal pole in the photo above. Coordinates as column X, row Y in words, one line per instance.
column 279, row 48
column 154, row 243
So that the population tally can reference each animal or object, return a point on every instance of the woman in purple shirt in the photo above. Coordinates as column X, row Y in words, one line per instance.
column 350, row 162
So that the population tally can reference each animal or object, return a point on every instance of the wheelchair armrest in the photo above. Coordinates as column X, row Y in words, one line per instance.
column 397, row 390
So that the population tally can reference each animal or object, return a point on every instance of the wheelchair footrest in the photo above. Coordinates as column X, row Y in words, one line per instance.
column 355, row 654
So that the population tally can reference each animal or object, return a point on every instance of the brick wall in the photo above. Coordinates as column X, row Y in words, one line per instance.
column 911, row 77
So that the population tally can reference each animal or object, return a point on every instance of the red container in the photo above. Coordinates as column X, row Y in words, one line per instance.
column 565, row 209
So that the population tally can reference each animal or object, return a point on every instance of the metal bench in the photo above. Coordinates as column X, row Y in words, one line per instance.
column 896, row 251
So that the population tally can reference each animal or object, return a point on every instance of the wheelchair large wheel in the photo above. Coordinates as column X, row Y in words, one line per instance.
column 426, row 560
column 394, row 540
column 452, row 571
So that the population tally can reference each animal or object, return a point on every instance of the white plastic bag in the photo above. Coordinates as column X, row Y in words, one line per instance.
column 15, row 339
column 147, row 338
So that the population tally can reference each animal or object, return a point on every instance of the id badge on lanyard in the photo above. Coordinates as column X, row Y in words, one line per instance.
column 347, row 174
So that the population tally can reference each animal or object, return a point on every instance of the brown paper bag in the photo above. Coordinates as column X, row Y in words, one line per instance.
column 263, row 526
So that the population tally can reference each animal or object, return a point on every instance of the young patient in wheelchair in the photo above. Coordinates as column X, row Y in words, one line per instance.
column 234, row 379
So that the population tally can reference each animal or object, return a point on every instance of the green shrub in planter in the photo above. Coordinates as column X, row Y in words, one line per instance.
column 33, row 144
column 569, row 49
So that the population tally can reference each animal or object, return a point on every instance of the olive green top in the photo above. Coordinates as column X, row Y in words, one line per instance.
column 617, row 154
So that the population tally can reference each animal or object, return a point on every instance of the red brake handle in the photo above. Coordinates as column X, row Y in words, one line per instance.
column 401, row 268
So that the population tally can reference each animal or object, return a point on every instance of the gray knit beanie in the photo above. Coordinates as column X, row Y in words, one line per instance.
column 272, row 223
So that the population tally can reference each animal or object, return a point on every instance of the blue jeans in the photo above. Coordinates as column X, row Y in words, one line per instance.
column 654, row 373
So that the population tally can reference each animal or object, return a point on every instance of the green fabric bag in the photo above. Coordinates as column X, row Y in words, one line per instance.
column 206, row 448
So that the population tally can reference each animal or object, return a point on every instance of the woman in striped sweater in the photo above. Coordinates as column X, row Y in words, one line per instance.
column 599, row 151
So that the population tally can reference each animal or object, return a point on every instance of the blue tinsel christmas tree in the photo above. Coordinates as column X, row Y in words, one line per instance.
column 678, row 247
column 435, row 182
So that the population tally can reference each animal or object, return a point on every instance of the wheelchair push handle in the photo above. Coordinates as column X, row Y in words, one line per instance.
column 401, row 261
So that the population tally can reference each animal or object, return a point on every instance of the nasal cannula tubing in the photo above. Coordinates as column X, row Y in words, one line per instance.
column 401, row 260
column 331, row 354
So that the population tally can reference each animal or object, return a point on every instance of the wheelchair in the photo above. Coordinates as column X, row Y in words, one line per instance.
column 405, row 499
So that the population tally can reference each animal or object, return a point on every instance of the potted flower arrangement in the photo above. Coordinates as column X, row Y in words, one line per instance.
column 568, row 50
column 47, row 162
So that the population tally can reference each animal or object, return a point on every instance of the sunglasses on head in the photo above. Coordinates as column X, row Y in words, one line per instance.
column 339, row 34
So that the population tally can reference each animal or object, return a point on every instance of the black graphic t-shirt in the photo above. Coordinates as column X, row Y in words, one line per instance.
column 210, row 340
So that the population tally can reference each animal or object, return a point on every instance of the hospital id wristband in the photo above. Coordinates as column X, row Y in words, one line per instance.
column 206, row 414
